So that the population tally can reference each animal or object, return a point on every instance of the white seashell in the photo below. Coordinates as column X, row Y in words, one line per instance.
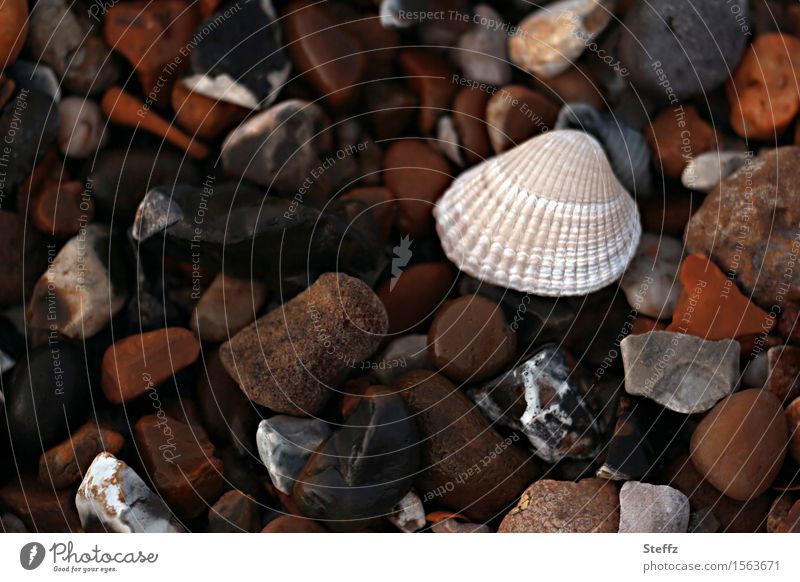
column 547, row 217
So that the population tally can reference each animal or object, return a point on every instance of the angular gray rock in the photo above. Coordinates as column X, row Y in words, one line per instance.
column 681, row 372
column 646, row 508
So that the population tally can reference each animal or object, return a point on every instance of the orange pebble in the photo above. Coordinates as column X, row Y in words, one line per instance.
column 198, row 114
column 13, row 30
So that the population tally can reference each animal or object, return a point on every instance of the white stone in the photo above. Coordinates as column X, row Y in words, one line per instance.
column 81, row 129
column 706, row 170
column 285, row 443
column 409, row 514
column 646, row 508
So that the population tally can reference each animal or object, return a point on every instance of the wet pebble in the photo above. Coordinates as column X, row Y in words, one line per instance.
column 413, row 296
column 646, row 508
column 226, row 306
column 66, row 463
column 81, row 130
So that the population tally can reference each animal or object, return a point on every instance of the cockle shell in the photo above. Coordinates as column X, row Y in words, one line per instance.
column 547, row 217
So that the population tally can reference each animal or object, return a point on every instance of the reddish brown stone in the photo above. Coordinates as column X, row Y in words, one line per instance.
column 676, row 136
column 205, row 117
column 791, row 522
column 777, row 513
column 22, row 257
column 417, row 176
column 416, row 295
column 469, row 118
column 668, row 214
column 379, row 202
column 644, row 324
column 390, row 105
column 516, row 113
column 793, row 421
column 712, row 307
column 7, row 88
column 235, row 512
column 65, row 464
column 788, row 322
column 574, row 84
column 13, row 30
column 228, row 305
column 431, row 79
column 180, row 462
column 139, row 362
column 547, row 506
column 40, row 507
column 784, row 372
column 61, row 209
column 292, row 524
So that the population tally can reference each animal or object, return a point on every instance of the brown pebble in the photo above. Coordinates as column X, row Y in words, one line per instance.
column 547, row 506
column 470, row 340
column 198, row 114
column 13, row 30
column 40, row 507
column 292, row 524
column 180, row 462
column 391, row 106
column 416, row 295
column 417, row 176
column 64, row 464
column 791, row 522
column 469, row 118
column 61, row 208
column 784, row 372
column 777, row 513
column 793, row 421
column 142, row 361
column 22, row 257
column 574, row 84
column 516, row 113
column 228, row 305
column 667, row 136
column 379, row 202
column 740, row 445
column 234, row 512
column 457, row 439
column 430, row 78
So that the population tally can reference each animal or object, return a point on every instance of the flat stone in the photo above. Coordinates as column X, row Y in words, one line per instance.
column 547, row 506
column 646, row 508
column 682, row 373
column 650, row 282
column 234, row 512
column 226, row 306
column 65, row 464
column 112, row 497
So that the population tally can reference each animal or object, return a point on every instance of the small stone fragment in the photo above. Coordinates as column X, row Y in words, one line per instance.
column 412, row 297
column 234, row 512
column 706, row 170
column 777, row 513
column 791, row 522
column 628, row 453
column 81, row 129
column 202, row 116
column 588, row 506
column 62, row 209
column 646, row 508
column 409, row 514
column 469, row 111
column 431, row 80
column 793, row 421
column 226, row 307
column 515, row 114
column 112, row 497
column 674, row 142
column 784, row 372
column 66, row 463
column 650, row 282
column 482, row 49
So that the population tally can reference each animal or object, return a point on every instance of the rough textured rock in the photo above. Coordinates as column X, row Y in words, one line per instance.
column 646, row 508
column 226, row 307
column 547, row 506
column 748, row 226
column 783, row 380
column 65, row 464
column 681, row 372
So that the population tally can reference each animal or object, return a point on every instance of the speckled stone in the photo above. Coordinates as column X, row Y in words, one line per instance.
column 646, row 508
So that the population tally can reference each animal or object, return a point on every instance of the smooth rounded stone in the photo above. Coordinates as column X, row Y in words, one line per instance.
column 482, row 53
column 285, row 444
column 783, row 364
column 576, row 84
column 82, row 127
column 740, row 445
column 234, row 512
column 409, row 514
column 328, row 56
column 61, row 209
column 706, row 170
column 64, row 39
column 180, row 462
column 119, row 178
column 515, row 114
column 10, row 523
column 65, row 464
column 379, row 202
column 469, row 110
column 626, row 148
column 404, row 354
column 675, row 138
column 703, row 521
column 453, row 526
column 681, row 372
column 292, row 359
column 467, row 465
column 417, row 175
column 293, row 524
column 646, row 508
column 544, row 399
column 793, row 422
column 140, row 362
column 470, row 339
column 279, row 147
column 79, row 293
column 365, row 467
column 41, row 508
column 431, row 80
column 24, row 257
column 199, row 115
column 240, row 57
column 547, row 506
column 650, row 282
column 47, row 397
column 112, row 497
column 756, row 371
column 688, row 45
column 13, row 30
column 416, row 294
column 226, row 306
column 389, row 106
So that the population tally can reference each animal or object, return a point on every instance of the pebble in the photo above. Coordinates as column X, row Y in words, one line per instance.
column 482, row 53
column 362, row 470
column 448, row 142
column 691, row 55
column 141, row 362
column 180, row 461
column 744, row 202
column 681, row 372
column 202, row 116
column 291, row 359
column 10, row 523
column 515, row 113
column 467, row 465
column 81, row 131
column 66, row 463
column 240, row 57
column 470, row 339
column 285, row 444
column 756, row 372
column 576, row 84
column 431, row 80
column 550, row 39
column 417, row 175
column 389, row 106
column 629, row 454
column 791, row 521
column 380, row 203
column 777, row 513
column 409, row 514
column 469, row 110
column 675, row 139
column 453, row 526
column 783, row 371
column 646, row 508
column 226, row 306
column 61, row 209
column 544, row 399
column 292, row 524
column 740, row 445
column 404, row 354
column 41, row 508
column 112, row 497
column 651, row 282
column 547, row 506
column 279, row 147
column 417, row 293
column 793, row 421
column 234, row 512
column 13, row 30
column 706, row 170
column 23, row 260
column 762, row 96
column 712, row 307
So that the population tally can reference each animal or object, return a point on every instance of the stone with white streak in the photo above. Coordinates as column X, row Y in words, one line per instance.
column 409, row 514
column 646, row 508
